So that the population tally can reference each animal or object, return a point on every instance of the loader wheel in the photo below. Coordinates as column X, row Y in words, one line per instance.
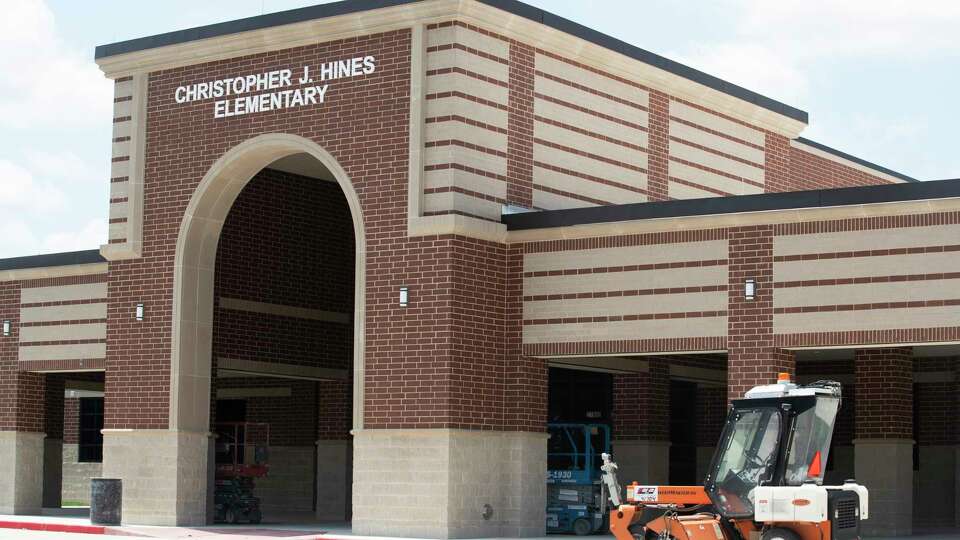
column 231, row 516
column 582, row 527
column 779, row 533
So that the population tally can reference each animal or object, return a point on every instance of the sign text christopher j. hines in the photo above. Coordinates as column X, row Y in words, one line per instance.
column 282, row 90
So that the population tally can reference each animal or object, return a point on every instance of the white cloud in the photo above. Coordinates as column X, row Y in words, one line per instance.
column 45, row 85
column 19, row 190
column 21, row 238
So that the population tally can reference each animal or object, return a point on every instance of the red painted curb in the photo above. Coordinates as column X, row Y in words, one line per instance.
column 52, row 527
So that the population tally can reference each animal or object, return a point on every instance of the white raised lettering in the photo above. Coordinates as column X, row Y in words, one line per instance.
column 369, row 65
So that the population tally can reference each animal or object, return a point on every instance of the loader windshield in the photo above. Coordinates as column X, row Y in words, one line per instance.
column 810, row 445
column 745, row 458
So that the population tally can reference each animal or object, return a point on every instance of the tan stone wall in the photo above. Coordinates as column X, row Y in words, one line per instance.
column 437, row 483
column 76, row 476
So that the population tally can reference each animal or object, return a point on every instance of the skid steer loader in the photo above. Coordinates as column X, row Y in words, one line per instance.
column 765, row 481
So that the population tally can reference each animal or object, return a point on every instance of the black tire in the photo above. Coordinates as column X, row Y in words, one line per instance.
column 779, row 533
column 582, row 527
column 230, row 516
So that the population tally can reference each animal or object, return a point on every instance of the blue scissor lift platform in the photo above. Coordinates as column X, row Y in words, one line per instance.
column 574, row 500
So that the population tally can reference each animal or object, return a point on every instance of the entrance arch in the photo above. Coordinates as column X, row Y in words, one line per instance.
column 194, row 272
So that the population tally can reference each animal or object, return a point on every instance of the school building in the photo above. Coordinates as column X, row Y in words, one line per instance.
column 404, row 235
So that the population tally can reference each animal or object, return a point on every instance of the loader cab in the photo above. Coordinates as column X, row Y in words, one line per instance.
column 778, row 435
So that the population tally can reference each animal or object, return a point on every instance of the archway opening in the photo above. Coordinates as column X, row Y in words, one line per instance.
column 282, row 349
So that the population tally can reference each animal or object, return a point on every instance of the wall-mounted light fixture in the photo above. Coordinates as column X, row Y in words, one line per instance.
column 404, row 296
column 6, row 329
column 749, row 289
column 138, row 313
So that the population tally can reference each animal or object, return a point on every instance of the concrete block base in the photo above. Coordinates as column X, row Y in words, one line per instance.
column 52, row 472
column 642, row 461
column 21, row 472
column 76, row 476
column 885, row 467
column 334, row 480
column 164, row 475
column 288, row 487
column 447, row 483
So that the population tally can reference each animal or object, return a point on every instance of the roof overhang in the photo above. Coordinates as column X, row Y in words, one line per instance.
column 511, row 18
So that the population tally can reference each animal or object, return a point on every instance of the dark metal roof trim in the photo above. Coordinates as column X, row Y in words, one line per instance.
column 855, row 159
column 71, row 258
column 821, row 198
column 514, row 7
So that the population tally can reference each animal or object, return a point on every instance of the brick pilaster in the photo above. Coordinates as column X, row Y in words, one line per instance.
column 776, row 165
column 752, row 358
column 641, row 403
column 658, row 145
column 520, row 125
column 525, row 378
column 884, row 390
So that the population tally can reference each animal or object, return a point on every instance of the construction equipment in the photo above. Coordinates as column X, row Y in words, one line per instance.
column 574, row 499
column 765, row 481
column 242, row 450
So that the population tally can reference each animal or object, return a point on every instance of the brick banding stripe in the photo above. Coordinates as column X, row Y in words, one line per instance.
column 626, row 268
column 460, row 213
column 464, row 191
column 116, row 200
column 867, row 223
column 117, row 220
column 869, row 337
column 117, row 241
column 122, row 99
column 591, row 112
column 471, row 50
column 119, row 159
column 61, row 323
column 465, row 168
column 570, row 195
column 119, row 179
column 464, row 120
column 589, row 90
column 718, row 171
column 867, row 253
column 477, row 29
column 468, row 73
column 588, row 177
column 589, row 133
column 62, row 342
column 53, row 303
column 121, row 139
column 721, row 134
column 121, row 119
column 659, row 345
column 62, row 365
column 575, row 151
column 633, row 317
column 717, row 152
column 619, row 293
column 64, row 280
column 867, row 279
column 464, row 144
column 867, row 307
column 702, row 187
column 468, row 97
column 644, row 239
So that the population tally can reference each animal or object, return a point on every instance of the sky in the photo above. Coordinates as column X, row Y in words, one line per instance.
column 878, row 78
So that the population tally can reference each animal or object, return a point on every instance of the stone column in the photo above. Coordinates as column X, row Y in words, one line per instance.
column 641, row 426
column 21, row 435
column 884, row 440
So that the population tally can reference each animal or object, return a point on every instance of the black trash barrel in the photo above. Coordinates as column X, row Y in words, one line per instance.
column 106, row 497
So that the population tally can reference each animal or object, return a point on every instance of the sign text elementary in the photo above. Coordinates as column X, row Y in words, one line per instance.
column 277, row 89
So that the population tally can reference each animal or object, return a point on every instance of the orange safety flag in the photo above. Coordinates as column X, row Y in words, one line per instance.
column 814, row 470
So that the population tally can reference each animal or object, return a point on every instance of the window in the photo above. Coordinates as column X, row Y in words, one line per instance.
column 91, row 422
column 748, row 456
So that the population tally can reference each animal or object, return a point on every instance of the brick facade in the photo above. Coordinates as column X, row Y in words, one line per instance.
column 884, row 393
column 641, row 403
column 752, row 356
